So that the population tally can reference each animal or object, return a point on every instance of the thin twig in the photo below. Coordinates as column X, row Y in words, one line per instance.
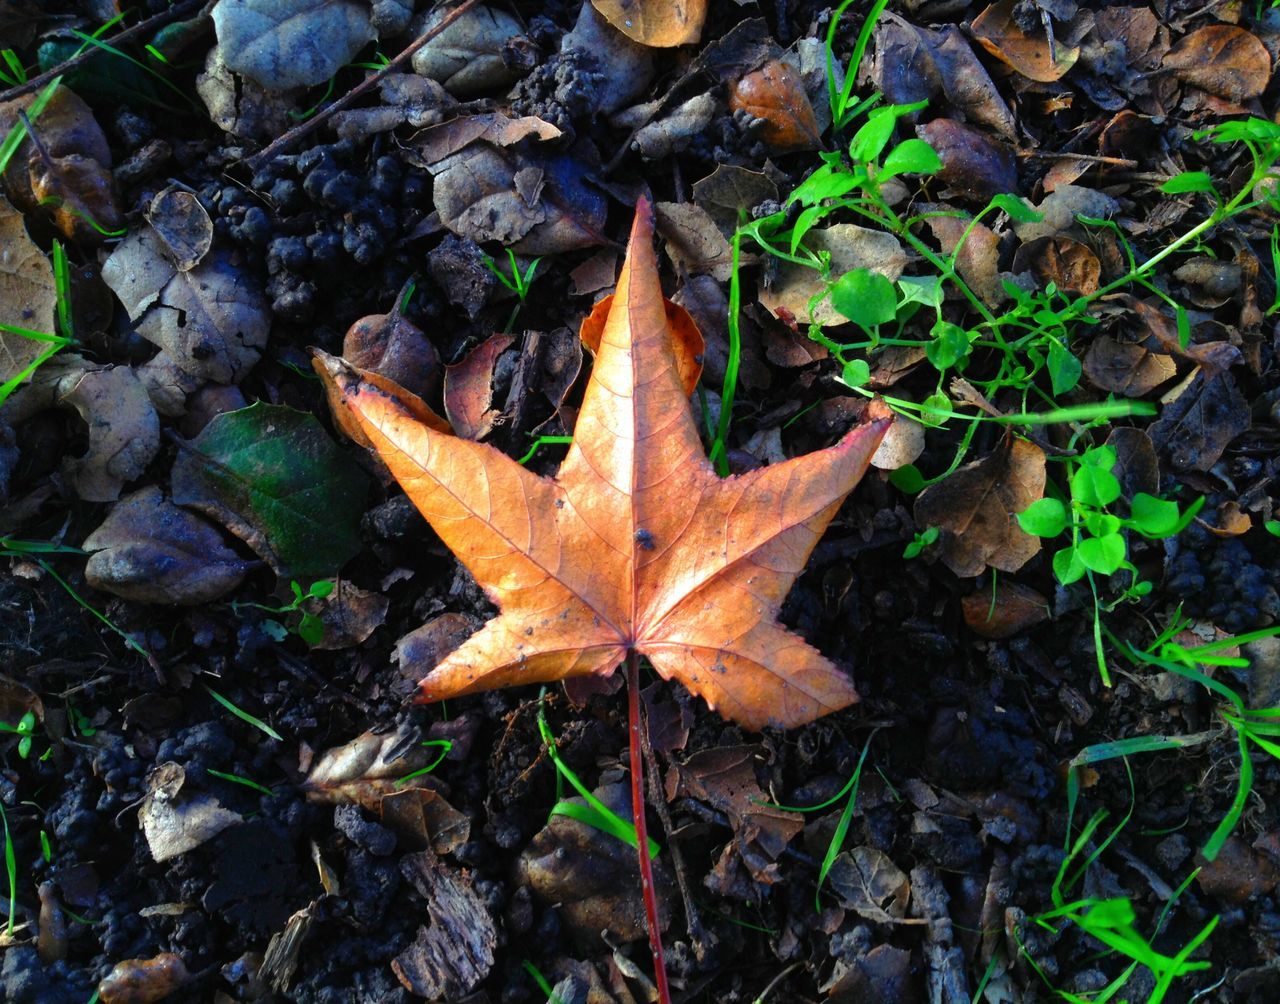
column 155, row 21
column 1092, row 158
column 297, row 132
column 642, row 829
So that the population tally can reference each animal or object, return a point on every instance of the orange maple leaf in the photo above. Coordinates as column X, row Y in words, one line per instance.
column 636, row 544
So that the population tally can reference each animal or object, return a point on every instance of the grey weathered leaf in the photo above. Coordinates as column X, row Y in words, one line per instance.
column 175, row 822
column 124, row 430
column 282, row 44
column 27, row 294
column 467, row 56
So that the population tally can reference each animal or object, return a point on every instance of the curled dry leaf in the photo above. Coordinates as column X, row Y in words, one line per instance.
column 174, row 821
column 1003, row 612
column 871, row 885
column 1222, row 59
column 212, row 318
column 466, row 58
column 124, row 430
column 972, row 162
column 673, row 132
column 636, row 544
column 775, row 95
column 349, row 615
column 592, row 876
column 27, row 294
column 468, row 388
column 183, row 224
column 240, row 106
column 657, row 23
column 978, row 260
column 977, row 506
column 144, row 981
column 693, row 241
column 1065, row 262
column 150, row 551
column 998, row 32
column 1197, row 426
column 284, row 44
column 1125, row 368
column 65, row 169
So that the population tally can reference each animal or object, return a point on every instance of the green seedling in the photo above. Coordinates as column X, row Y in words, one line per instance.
column 844, row 109
column 310, row 627
column 850, row 793
column 46, row 849
column 237, row 779
column 595, row 813
column 445, row 745
column 244, row 716
column 543, row 985
column 17, row 73
column 542, row 441
column 11, row 870
column 921, row 541
column 518, row 282
column 25, row 730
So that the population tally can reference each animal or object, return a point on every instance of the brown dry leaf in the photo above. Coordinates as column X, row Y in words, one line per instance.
column 729, row 190
column 1060, row 260
column 1013, row 608
column 369, row 771
column 693, row 241
column 349, row 615
column 636, row 544
column 775, row 93
column 393, row 347
column 972, row 162
column 437, row 142
column 27, row 294
column 725, row 777
column 1125, row 368
column 675, row 130
column 977, row 507
column 175, row 822
column 870, row 884
column 65, row 169
column 978, row 260
column 143, row 981
column 1228, row 521
column 1197, row 426
column 468, row 388
column 124, row 430
column 1137, row 466
column 422, row 649
column 183, row 224
column 466, row 58
column 998, row 32
column 657, row 23
column 1222, row 59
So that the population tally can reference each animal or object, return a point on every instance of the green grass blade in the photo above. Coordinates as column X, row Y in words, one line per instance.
column 244, row 716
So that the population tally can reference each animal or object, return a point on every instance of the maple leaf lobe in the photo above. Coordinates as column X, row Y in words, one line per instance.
column 636, row 544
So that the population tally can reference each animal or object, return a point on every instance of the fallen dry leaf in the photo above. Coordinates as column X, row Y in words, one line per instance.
column 775, row 94
column 976, row 508
column 1002, row 613
column 972, row 161
column 1222, row 59
column 468, row 389
column 1066, row 263
column 870, row 884
column 997, row 30
column 636, row 545
column 175, row 822
column 27, row 294
column 1125, row 368
column 657, row 23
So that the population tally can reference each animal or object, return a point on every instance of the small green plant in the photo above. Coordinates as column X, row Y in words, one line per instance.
column 445, row 746
column 238, row 779
column 543, row 985
column 595, row 813
column 920, row 542
column 518, row 282
column 25, row 730
column 244, row 716
column 11, row 870
column 310, row 626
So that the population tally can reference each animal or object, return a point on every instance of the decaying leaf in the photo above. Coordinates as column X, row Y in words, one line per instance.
column 241, row 106
column 454, row 950
column 1197, row 425
column 349, row 615
column 283, row 44
column 1005, row 610
column 636, row 545
column 27, row 294
column 65, row 169
column 657, row 23
column 370, row 772
column 150, row 551
column 124, row 430
column 183, row 224
column 871, row 885
column 274, row 478
column 850, row 246
column 212, row 318
column 175, row 822
column 693, row 241
column 467, row 56
column 725, row 778
column 674, row 131
column 468, row 388
column 972, row 162
column 730, row 190
column 422, row 649
column 436, row 142
column 978, row 260
column 144, row 981
column 775, row 95
column 976, row 508
column 592, row 875
column 1126, row 368
column 1066, row 263
column 997, row 29
column 1222, row 59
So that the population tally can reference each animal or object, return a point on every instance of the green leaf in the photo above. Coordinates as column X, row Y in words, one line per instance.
column 909, row 480
column 1153, row 517
column 1101, row 524
column 1064, row 368
column 935, row 410
column 871, row 139
column 1094, row 486
column 949, row 346
column 311, row 629
column 1189, row 181
column 1067, row 566
column 1102, row 554
column 1043, row 518
column 864, row 297
column 926, row 289
column 1017, row 210
column 856, row 373
column 274, row 478
column 1100, row 456
column 911, row 156
column 1272, row 527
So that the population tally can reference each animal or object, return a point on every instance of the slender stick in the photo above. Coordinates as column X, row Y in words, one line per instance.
column 287, row 139
column 642, row 829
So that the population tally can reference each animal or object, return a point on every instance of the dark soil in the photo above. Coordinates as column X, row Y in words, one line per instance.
column 963, row 792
